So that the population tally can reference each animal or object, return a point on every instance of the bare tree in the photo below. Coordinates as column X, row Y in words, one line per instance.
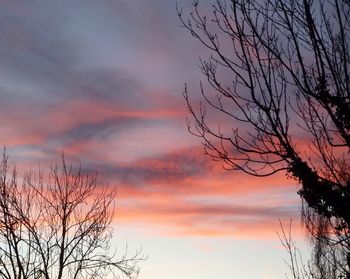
column 295, row 261
column 278, row 74
column 58, row 225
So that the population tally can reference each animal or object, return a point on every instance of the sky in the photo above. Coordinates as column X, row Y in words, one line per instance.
column 101, row 81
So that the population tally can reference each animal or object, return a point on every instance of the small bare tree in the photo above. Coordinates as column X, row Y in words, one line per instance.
column 279, row 76
column 58, row 225
column 327, row 261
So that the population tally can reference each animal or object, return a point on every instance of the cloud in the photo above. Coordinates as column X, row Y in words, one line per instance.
column 187, row 171
column 185, row 193
column 213, row 218
column 102, row 82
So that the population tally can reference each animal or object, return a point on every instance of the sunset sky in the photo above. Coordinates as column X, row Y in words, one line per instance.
column 102, row 81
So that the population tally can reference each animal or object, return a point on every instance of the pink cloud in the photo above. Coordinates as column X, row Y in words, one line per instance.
column 195, row 219
column 203, row 199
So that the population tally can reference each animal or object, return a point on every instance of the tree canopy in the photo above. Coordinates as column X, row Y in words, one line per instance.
column 278, row 74
column 57, row 224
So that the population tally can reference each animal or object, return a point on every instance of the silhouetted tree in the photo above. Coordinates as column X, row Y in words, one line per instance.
column 279, row 75
column 58, row 225
column 327, row 261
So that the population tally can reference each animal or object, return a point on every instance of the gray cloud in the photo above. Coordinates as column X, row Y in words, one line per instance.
column 171, row 168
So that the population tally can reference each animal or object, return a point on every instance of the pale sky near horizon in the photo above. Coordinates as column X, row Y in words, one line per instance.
column 102, row 81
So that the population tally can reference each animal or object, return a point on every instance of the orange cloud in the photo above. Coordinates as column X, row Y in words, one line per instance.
column 184, row 193
column 184, row 217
